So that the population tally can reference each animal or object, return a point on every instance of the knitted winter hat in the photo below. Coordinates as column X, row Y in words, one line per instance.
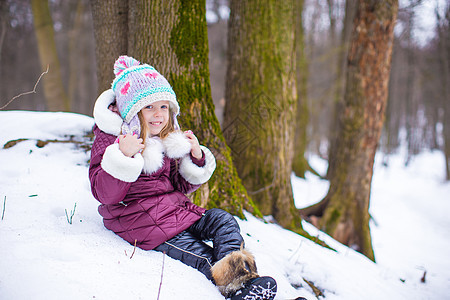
column 137, row 86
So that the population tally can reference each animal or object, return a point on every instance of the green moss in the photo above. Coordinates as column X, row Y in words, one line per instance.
column 188, row 35
column 331, row 219
column 190, row 82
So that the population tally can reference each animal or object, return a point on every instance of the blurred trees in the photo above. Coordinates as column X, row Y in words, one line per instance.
column 443, row 50
column 344, row 212
column 55, row 94
column 299, row 161
column 340, row 76
column 20, row 62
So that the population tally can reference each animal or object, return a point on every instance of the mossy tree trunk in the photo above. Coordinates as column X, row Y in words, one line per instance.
column 344, row 211
column 261, row 103
column 55, row 94
column 110, row 18
column 172, row 36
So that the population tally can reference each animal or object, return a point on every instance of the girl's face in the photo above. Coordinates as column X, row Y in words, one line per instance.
column 157, row 116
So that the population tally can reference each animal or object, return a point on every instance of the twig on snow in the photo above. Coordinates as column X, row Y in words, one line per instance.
column 26, row 93
column 162, row 273
column 134, row 249
column 317, row 292
column 4, row 205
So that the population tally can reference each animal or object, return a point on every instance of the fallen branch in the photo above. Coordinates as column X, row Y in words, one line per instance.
column 86, row 145
column 26, row 93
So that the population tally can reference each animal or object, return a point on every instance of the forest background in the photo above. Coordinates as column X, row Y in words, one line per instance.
column 418, row 98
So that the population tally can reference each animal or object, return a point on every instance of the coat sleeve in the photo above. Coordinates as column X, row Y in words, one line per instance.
column 189, row 173
column 110, row 174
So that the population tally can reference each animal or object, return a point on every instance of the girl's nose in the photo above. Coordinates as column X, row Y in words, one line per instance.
column 157, row 112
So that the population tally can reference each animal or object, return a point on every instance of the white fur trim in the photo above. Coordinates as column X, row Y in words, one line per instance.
column 153, row 155
column 195, row 174
column 176, row 145
column 119, row 166
column 107, row 120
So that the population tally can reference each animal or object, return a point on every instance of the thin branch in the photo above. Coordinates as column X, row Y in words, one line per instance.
column 162, row 273
column 26, row 93
column 134, row 249
column 4, row 205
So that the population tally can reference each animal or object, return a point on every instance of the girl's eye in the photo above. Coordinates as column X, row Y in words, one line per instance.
column 164, row 106
column 149, row 107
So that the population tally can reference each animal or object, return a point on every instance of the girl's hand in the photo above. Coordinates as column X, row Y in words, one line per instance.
column 130, row 144
column 195, row 146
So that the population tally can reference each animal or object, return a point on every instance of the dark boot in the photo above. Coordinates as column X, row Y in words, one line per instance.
column 261, row 288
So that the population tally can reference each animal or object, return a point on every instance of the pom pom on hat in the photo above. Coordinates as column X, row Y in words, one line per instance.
column 137, row 86
column 124, row 62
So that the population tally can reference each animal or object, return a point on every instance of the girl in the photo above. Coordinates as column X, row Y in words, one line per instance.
column 142, row 166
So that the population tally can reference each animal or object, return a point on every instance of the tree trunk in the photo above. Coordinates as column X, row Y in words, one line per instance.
column 444, row 55
column 345, row 214
column 261, row 101
column 55, row 94
column 300, row 163
column 391, row 126
column 82, row 72
column 350, row 9
column 3, row 24
column 172, row 36
column 411, row 122
column 110, row 19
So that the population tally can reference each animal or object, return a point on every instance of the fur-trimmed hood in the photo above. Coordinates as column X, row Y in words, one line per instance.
column 175, row 146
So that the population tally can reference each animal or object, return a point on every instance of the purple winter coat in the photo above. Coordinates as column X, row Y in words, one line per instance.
column 143, row 198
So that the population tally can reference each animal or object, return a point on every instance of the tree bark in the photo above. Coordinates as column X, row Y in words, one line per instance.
column 261, row 101
column 300, row 163
column 55, row 94
column 172, row 36
column 345, row 214
column 82, row 72
column 350, row 9
column 110, row 19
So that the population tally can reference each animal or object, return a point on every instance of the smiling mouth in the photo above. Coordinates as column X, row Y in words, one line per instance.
column 155, row 123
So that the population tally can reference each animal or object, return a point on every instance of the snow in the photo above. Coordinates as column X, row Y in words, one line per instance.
column 43, row 256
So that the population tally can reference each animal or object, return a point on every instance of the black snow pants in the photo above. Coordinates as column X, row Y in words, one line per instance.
column 189, row 246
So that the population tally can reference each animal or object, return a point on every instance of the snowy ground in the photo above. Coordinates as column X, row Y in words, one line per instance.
column 43, row 256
